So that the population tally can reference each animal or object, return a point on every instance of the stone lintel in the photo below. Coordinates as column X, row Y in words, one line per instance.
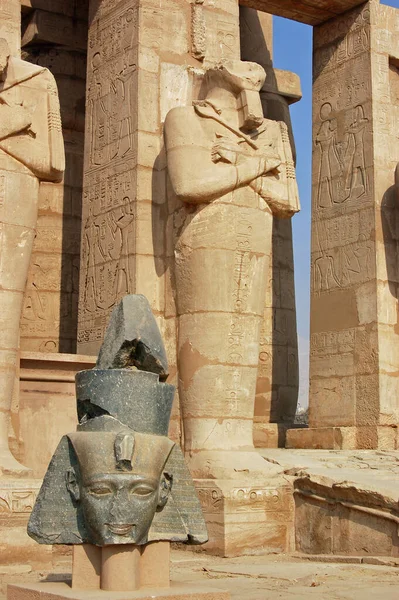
column 311, row 12
column 78, row 10
column 382, row 437
column 43, row 26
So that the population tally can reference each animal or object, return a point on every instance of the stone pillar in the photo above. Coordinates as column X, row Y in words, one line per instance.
column 145, row 58
column 354, row 388
column 277, row 385
column 154, row 63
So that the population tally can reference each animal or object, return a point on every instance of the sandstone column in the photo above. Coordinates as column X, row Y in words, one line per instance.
column 145, row 58
column 354, row 387
column 31, row 150
column 154, row 63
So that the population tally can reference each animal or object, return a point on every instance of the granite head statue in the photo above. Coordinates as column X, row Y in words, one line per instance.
column 119, row 479
column 119, row 483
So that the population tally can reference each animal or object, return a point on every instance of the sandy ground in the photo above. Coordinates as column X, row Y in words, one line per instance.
column 272, row 577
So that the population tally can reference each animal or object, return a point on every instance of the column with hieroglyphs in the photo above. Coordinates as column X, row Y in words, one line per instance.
column 354, row 339
column 277, row 384
column 144, row 59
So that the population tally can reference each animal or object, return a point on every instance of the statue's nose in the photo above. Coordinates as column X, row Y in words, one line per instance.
column 119, row 507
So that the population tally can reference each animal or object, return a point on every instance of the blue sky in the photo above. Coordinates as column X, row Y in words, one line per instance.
column 293, row 52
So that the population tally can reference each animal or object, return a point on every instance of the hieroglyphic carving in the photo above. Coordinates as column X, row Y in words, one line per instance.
column 108, row 224
column 198, row 30
column 341, row 158
column 17, row 501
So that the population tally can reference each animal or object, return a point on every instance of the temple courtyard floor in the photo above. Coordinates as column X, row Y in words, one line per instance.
column 275, row 577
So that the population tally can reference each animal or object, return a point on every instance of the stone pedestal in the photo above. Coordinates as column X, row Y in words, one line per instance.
column 63, row 591
column 354, row 361
column 119, row 572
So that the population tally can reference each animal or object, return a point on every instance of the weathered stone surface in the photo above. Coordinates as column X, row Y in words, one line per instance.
column 133, row 339
column 346, row 502
column 354, row 362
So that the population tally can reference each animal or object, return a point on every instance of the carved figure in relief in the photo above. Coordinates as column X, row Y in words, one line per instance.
column 355, row 158
column 325, row 276
column 121, row 109
column 358, row 261
column 326, row 139
column 97, row 113
column 107, row 243
column 230, row 171
column 31, row 150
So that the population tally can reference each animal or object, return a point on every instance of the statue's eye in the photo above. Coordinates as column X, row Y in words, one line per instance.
column 142, row 490
column 100, row 490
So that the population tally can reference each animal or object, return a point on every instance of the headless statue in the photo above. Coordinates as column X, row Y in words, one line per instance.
column 31, row 150
column 230, row 171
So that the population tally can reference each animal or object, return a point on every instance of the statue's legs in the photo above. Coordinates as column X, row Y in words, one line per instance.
column 18, row 218
column 221, row 269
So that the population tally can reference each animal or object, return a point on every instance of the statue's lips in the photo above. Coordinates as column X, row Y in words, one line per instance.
column 120, row 529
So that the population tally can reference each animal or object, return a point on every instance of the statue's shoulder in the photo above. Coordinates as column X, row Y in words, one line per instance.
column 181, row 126
column 22, row 71
column 178, row 116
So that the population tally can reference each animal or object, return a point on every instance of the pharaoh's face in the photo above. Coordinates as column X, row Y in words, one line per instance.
column 119, row 484
column 118, row 508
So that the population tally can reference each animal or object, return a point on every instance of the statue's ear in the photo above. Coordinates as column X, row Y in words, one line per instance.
column 72, row 484
column 164, row 490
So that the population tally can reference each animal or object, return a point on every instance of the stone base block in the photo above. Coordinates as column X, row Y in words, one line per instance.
column 63, row 591
column 246, row 517
column 384, row 437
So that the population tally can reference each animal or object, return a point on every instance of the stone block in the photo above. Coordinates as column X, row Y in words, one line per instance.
column 63, row 591
column 264, row 512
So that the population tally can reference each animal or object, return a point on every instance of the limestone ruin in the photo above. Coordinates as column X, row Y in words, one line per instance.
column 179, row 184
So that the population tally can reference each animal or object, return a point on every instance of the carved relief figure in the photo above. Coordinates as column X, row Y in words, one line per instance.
column 325, row 276
column 230, row 170
column 326, row 140
column 356, row 178
column 97, row 113
column 121, row 106
column 31, row 150
column 107, row 243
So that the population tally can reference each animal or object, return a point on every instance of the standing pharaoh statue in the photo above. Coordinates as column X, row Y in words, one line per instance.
column 31, row 150
column 230, row 170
